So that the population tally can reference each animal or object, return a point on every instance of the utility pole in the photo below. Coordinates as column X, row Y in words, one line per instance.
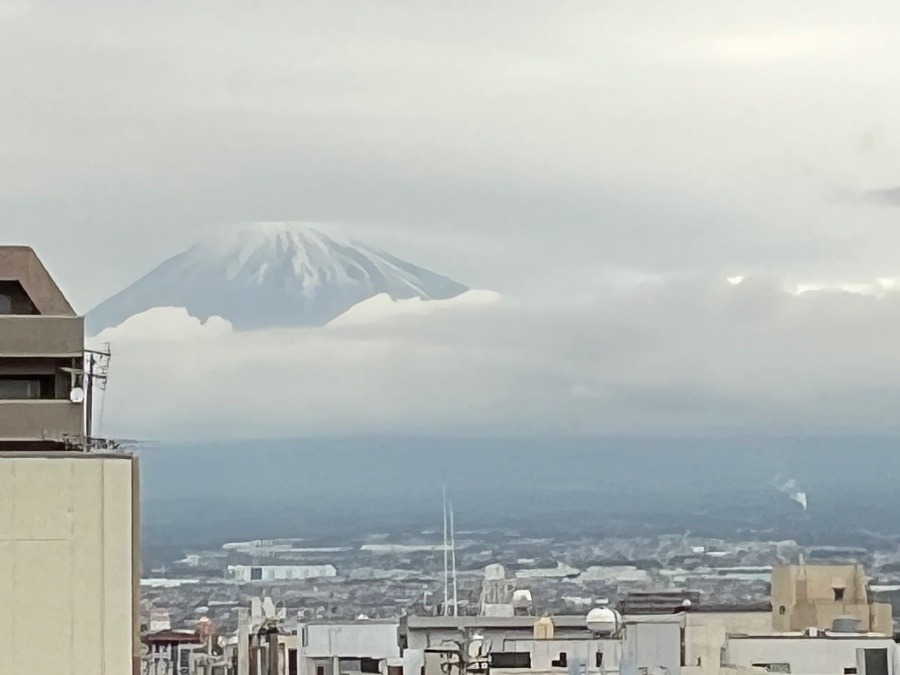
column 89, row 397
column 94, row 375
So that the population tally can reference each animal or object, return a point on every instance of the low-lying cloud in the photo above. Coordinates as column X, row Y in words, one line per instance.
column 698, row 355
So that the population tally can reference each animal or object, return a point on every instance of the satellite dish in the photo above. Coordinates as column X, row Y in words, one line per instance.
column 76, row 395
column 476, row 647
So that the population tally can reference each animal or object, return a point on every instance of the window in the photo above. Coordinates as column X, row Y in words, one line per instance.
column 320, row 670
column 256, row 574
column 511, row 660
column 26, row 387
column 369, row 666
column 292, row 662
column 598, row 661
column 876, row 661
column 561, row 662
column 14, row 299
column 781, row 609
column 838, row 594
column 849, row 671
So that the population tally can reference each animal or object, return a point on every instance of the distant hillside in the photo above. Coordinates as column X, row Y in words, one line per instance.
column 612, row 486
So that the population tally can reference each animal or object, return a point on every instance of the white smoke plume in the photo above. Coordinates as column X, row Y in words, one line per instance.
column 792, row 489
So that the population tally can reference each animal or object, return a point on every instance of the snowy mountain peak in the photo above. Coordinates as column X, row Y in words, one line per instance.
column 272, row 274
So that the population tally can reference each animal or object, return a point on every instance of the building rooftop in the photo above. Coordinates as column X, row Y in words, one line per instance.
column 20, row 265
column 821, row 635
column 64, row 454
column 517, row 622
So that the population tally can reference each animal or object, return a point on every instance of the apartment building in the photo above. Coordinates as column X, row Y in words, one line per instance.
column 69, row 518
column 41, row 358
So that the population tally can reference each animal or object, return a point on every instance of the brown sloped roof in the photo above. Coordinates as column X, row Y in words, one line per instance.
column 20, row 263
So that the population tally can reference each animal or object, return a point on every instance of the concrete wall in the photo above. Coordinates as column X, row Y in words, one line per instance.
column 67, row 564
column 39, row 419
column 806, row 656
column 706, row 634
column 325, row 644
column 374, row 640
column 644, row 644
column 652, row 646
column 41, row 335
column 803, row 596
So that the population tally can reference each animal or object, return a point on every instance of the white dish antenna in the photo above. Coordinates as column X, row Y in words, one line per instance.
column 76, row 395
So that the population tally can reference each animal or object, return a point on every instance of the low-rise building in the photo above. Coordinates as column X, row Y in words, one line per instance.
column 250, row 573
column 348, row 648
column 814, row 653
column 522, row 645
column 813, row 596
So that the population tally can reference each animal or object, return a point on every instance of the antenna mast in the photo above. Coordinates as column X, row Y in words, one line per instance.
column 453, row 556
column 446, row 569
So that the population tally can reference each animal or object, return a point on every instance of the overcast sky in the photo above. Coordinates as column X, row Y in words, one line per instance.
column 556, row 152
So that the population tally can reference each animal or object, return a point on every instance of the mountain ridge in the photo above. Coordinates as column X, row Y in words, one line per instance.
column 272, row 275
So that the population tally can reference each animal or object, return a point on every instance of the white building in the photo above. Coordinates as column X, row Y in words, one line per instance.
column 251, row 573
column 348, row 648
column 522, row 645
column 706, row 635
column 814, row 653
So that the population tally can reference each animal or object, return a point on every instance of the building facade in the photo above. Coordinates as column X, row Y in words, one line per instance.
column 69, row 518
column 68, row 563
column 556, row 645
column 815, row 596
column 813, row 654
column 264, row 573
column 348, row 648
column 41, row 358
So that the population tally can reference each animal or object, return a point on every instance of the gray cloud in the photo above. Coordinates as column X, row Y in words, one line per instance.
column 701, row 356
column 560, row 153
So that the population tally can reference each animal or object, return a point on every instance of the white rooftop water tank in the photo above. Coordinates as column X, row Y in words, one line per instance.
column 603, row 621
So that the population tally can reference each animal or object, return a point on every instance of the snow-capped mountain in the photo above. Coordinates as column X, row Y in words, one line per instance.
column 271, row 275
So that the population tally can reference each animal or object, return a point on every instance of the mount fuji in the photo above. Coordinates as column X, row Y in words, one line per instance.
column 272, row 275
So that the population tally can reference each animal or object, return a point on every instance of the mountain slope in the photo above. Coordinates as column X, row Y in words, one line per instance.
column 272, row 275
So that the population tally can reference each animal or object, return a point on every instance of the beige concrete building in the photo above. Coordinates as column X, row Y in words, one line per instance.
column 68, row 564
column 69, row 519
column 814, row 596
column 41, row 356
column 706, row 635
